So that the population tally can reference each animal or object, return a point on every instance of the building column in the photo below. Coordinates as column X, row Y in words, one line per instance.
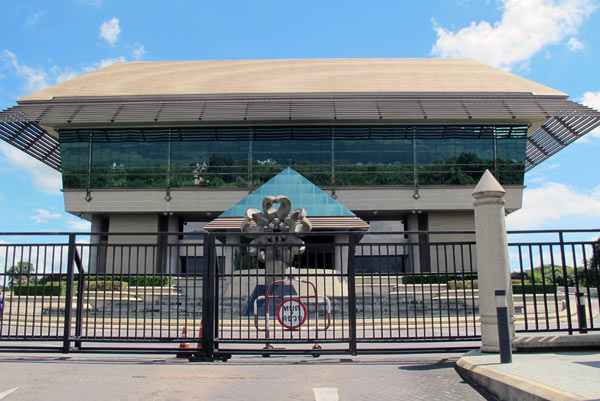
column 414, row 256
column 341, row 253
column 173, row 246
column 229, row 251
column 492, row 258
column 95, row 263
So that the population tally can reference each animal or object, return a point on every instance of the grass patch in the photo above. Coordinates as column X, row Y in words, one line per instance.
column 437, row 278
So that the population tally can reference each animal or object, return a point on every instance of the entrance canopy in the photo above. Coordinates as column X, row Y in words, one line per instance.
column 324, row 212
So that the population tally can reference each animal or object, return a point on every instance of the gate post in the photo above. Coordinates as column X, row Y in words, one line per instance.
column 492, row 258
column 208, row 301
column 69, row 294
column 352, row 293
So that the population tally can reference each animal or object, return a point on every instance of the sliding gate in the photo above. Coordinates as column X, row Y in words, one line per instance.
column 359, row 293
column 210, row 295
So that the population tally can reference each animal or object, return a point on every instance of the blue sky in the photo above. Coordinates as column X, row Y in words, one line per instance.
column 556, row 43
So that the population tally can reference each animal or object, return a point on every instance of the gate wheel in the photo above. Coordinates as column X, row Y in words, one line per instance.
column 267, row 347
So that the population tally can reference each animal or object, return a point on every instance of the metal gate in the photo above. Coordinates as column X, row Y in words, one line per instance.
column 362, row 293
column 348, row 292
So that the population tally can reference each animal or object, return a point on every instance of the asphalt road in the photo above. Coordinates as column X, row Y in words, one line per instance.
column 118, row 377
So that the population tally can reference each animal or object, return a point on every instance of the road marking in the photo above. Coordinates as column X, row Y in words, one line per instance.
column 326, row 394
column 9, row 392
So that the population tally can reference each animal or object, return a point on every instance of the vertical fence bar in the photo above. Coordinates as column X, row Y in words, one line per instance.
column 69, row 294
column 554, row 283
column 215, row 288
column 352, row 294
column 565, row 281
column 587, row 284
column 79, row 311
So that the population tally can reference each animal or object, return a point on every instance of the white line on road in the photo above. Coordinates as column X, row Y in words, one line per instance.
column 326, row 394
column 12, row 390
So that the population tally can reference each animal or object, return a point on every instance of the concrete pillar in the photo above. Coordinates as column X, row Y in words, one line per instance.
column 94, row 242
column 341, row 253
column 173, row 248
column 492, row 257
column 230, row 251
column 412, row 224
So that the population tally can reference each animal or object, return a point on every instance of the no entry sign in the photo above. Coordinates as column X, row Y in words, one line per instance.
column 291, row 313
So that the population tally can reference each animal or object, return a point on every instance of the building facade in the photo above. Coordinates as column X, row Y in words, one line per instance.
column 169, row 146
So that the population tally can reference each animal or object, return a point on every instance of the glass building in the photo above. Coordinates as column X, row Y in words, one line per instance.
column 169, row 146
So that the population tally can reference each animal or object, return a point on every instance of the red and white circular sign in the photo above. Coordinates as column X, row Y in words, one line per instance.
column 291, row 313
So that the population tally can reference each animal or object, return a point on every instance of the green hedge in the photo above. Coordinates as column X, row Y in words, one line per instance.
column 135, row 281
column 529, row 289
column 40, row 289
column 104, row 285
column 147, row 281
column 554, row 274
column 436, row 278
column 463, row 284
column 130, row 281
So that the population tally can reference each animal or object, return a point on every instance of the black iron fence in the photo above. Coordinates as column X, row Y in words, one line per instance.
column 346, row 292
column 556, row 281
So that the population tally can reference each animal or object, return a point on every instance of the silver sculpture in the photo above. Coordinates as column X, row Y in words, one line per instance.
column 271, row 221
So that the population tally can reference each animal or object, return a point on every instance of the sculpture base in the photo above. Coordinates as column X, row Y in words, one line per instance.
column 279, row 290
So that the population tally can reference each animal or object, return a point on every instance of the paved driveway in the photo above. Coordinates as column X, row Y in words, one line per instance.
column 99, row 377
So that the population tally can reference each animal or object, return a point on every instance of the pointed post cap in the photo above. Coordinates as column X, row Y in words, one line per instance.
column 488, row 187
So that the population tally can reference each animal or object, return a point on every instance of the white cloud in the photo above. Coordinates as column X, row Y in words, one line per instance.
column 592, row 99
column 35, row 18
column 45, row 179
column 43, row 215
column 78, row 225
column 110, row 30
column 551, row 202
column 526, row 27
column 138, row 52
column 2, row 197
column 574, row 45
column 35, row 79
column 64, row 74
column 106, row 62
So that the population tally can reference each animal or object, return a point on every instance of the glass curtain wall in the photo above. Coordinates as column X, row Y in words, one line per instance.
column 454, row 155
column 306, row 149
column 373, row 156
column 247, row 157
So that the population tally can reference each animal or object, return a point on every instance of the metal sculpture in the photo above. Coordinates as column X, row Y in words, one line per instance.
column 271, row 248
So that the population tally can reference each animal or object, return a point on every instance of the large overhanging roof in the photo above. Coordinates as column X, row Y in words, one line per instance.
column 310, row 91
column 556, row 122
column 20, row 131
column 300, row 76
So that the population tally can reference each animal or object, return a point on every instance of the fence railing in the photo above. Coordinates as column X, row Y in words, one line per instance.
column 556, row 281
column 77, row 291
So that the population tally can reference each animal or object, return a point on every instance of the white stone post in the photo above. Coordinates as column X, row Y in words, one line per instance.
column 492, row 258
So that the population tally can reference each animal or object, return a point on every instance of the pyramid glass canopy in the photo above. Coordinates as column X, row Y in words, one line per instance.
column 301, row 192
